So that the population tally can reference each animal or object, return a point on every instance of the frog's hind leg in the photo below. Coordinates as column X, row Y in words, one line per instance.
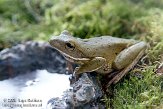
column 127, row 59
column 128, row 55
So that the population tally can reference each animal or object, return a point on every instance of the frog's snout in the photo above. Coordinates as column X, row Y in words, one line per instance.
column 55, row 42
column 52, row 40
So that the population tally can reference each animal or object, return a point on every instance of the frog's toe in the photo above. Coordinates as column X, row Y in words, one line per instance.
column 72, row 79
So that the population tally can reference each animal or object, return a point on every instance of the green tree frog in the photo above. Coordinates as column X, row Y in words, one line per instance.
column 101, row 54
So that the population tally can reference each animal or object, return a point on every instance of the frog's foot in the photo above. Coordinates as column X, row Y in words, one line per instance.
column 69, row 68
column 116, row 78
column 90, row 66
column 73, row 79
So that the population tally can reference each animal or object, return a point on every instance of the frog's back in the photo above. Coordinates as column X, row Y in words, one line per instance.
column 104, row 46
column 108, row 41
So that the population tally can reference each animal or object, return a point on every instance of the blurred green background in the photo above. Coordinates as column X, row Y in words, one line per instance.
column 24, row 20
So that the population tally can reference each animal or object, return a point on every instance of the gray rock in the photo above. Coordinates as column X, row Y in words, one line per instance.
column 85, row 94
column 28, row 57
column 56, row 103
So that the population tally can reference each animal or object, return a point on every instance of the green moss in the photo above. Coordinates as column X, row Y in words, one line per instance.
column 26, row 20
column 144, row 92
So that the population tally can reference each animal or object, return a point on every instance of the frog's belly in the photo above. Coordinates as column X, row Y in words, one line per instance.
column 107, row 68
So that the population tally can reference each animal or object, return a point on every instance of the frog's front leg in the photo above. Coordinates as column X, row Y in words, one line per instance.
column 90, row 66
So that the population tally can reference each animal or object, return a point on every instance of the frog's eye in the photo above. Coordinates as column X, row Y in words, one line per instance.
column 70, row 46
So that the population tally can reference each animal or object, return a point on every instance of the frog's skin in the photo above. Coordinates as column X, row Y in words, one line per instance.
column 101, row 54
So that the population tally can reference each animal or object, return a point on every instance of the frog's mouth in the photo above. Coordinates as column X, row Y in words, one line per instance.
column 68, row 57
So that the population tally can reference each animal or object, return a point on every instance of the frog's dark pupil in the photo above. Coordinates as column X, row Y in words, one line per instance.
column 69, row 45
